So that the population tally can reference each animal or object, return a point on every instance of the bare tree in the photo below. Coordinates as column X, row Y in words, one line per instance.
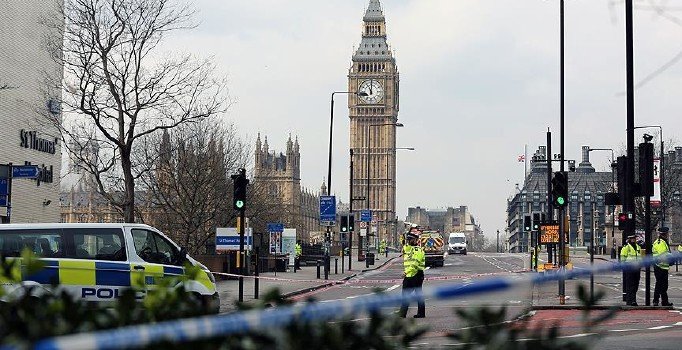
column 118, row 89
column 188, row 184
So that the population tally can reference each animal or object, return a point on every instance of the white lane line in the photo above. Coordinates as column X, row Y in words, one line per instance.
column 580, row 335
column 624, row 330
column 678, row 324
column 393, row 287
column 659, row 327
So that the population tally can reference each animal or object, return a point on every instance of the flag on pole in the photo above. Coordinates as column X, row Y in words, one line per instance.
column 522, row 158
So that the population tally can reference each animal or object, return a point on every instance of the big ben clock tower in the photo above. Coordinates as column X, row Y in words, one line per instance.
column 373, row 109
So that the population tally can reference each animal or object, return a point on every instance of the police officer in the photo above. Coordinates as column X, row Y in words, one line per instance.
column 631, row 253
column 414, row 261
column 660, row 248
column 297, row 260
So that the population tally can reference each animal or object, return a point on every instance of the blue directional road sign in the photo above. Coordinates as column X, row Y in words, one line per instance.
column 4, row 191
column 25, row 171
column 275, row 227
column 366, row 215
column 328, row 210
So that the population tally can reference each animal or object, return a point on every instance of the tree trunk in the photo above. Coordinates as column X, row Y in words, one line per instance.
column 129, row 187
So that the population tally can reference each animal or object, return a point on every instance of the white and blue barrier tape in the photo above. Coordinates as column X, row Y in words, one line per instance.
column 225, row 325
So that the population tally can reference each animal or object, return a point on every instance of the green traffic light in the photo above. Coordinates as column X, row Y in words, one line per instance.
column 239, row 204
column 560, row 200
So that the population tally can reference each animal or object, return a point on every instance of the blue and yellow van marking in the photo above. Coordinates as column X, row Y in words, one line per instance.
column 112, row 274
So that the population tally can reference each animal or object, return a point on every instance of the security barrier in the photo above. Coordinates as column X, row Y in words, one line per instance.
column 224, row 325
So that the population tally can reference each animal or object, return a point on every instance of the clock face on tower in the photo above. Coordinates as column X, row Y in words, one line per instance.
column 373, row 89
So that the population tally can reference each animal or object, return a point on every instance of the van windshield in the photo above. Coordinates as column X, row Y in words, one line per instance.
column 456, row 240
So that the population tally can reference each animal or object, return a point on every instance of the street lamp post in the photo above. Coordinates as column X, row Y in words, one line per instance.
column 613, row 188
column 329, row 174
column 369, row 132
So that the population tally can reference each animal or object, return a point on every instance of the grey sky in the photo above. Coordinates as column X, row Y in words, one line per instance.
column 479, row 79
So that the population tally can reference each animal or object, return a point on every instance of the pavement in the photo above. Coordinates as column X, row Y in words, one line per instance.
column 546, row 295
column 292, row 284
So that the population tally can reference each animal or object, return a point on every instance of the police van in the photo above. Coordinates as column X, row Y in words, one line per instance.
column 95, row 262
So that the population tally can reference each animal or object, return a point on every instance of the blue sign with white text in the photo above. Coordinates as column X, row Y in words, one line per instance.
column 328, row 210
column 25, row 171
column 3, row 200
column 233, row 240
column 4, row 186
column 275, row 227
column 366, row 215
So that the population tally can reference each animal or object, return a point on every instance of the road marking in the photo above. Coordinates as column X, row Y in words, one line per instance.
column 393, row 287
column 580, row 335
column 659, row 327
column 624, row 330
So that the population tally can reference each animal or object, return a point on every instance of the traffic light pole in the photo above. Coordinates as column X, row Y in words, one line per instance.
column 550, row 207
column 562, row 238
column 242, row 269
column 350, row 209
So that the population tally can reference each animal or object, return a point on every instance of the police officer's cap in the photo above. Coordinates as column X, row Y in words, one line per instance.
column 663, row 230
column 412, row 235
column 632, row 236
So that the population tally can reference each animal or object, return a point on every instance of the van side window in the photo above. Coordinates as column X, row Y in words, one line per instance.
column 97, row 244
column 153, row 248
column 43, row 243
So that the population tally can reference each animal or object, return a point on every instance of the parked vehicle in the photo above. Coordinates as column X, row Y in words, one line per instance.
column 457, row 243
column 95, row 262
column 434, row 248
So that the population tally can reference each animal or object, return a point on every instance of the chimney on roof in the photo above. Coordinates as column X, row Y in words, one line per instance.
column 678, row 154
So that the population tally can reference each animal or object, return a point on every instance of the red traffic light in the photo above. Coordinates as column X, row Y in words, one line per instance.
column 622, row 217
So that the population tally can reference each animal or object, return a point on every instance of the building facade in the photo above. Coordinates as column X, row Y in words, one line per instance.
column 588, row 215
column 446, row 221
column 26, row 98
column 373, row 117
column 280, row 176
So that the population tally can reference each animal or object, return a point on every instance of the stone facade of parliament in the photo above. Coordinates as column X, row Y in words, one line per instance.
column 280, row 176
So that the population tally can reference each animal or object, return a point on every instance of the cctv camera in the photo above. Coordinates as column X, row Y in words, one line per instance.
column 648, row 138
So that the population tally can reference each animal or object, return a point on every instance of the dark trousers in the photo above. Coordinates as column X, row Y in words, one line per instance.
column 297, row 263
column 410, row 285
column 661, row 289
column 631, row 286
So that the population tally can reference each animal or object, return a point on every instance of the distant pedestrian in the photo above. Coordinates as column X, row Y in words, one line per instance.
column 297, row 259
column 414, row 262
column 660, row 248
column 631, row 252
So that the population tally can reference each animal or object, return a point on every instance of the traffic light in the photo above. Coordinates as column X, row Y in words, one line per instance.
column 344, row 223
column 621, row 170
column 622, row 221
column 240, row 182
column 646, row 169
column 351, row 223
column 536, row 221
column 560, row 189
column 526, row 223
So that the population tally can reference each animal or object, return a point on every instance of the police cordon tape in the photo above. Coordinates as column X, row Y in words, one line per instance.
column 225, row 325
column 356, row 280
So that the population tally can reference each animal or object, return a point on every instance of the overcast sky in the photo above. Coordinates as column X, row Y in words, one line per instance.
column 479, row 80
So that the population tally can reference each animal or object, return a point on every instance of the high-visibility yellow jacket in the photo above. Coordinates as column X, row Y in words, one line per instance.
column 414, row 260
column 299, row 251
column 679, row 248
column 661, row 248
column 628, row 253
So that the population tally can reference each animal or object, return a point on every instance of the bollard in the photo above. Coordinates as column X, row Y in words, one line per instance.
column 255, row 280
column 318, row 269
column 336, row 266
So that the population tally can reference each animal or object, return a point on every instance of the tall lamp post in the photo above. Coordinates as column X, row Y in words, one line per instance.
column 369, row 132
column 613, row 188
column 329, row 174
column 393, row 220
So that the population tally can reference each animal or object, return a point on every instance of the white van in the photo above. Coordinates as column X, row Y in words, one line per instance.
column 457, row 243
column 95, row 262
